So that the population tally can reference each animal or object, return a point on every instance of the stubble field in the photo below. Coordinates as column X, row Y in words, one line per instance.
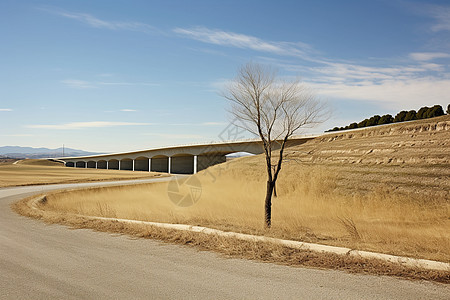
column 36, row 171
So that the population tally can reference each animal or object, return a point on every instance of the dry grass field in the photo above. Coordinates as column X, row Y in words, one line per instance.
column 383, row 189
column 37, row 171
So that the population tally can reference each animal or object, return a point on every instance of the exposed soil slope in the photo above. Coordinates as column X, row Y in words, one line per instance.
column 411, row 156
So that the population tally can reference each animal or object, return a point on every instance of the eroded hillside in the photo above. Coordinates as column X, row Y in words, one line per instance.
column 409, row 157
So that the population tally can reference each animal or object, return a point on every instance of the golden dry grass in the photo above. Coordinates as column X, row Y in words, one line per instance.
column 381, row 189
column 308, row 208
column 33, row 172
column 338, row 190
column 229, row 246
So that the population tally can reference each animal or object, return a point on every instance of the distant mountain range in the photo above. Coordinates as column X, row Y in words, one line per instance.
column 29, row 152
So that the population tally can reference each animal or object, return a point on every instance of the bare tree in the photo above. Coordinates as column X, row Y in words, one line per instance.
column 273, row 110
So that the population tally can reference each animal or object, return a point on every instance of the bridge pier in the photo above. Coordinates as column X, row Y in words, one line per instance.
column 195, row 164
column 149, row 164
column 169, row 165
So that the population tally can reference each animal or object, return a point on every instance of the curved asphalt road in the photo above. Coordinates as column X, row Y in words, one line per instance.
column 39, row 261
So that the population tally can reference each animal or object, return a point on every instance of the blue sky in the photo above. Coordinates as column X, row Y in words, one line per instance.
column 113, row 76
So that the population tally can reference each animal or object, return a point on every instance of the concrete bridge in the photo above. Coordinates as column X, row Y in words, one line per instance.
column 188, row 159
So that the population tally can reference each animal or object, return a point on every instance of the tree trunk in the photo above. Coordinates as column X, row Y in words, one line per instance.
column 268, row 203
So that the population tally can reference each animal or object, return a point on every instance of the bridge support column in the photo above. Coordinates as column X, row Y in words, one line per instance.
column 170, row 163
column 107, row 165
column 119, row 165
column 133, row 164
column 195, row 164
column 96, row 165
column 75, row 164
column 149, row 164
column 85, row 165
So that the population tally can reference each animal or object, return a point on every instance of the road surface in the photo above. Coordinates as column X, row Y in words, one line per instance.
column 40, row 261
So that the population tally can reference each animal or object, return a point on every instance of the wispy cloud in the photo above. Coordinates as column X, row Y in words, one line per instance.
column 400, row 82
column 106, row 75
column 18, row 135
column 83, row 125
column 238, row 40
column 83, row 84
column 426, row 56
column 128, row 110
column 396, row 87
column 213, row 124
column 175, row 136
column 95, row 22
column 354, row 72
column 412, row 80
column 441, row 15
column 197, row 124
column 128, row 83
column 78, row 84
column 398, row 94
column 5, row 109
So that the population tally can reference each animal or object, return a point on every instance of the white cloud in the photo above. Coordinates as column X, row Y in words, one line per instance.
column 197, row 124
column 232, row 39
column 95, row 22
column 346, row 71
column 441, row 15
column 83, row 125
column 433, row 67
column 5, row 109
column 406, row 82
column 83, row 84
column 394, row 87
column 106, row 75
column 78, row 84
column 17, row 135
column 398, row 86
column 213, row 124
column 175, row 136
column 396, row 94
column 128, row 110
column 425, row 56
column 128, row 83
